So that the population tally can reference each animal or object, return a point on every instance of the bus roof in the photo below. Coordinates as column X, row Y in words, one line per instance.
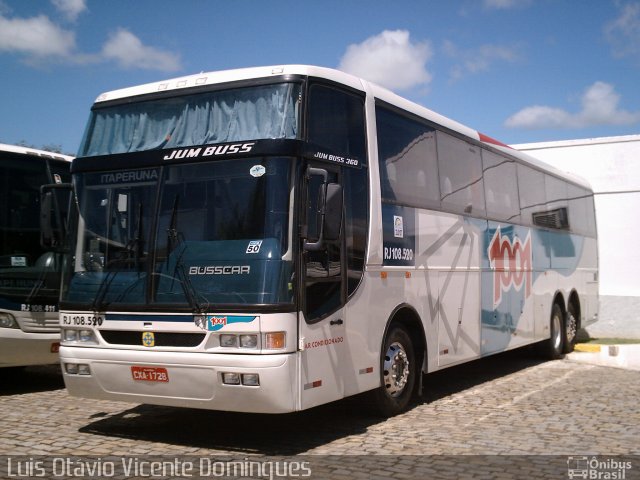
column 33, row 152
column 226, row 76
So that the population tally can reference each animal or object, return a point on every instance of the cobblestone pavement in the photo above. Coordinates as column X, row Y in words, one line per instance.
column 509, row 404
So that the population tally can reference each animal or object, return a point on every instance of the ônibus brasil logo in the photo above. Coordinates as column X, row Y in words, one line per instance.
column 511, row 262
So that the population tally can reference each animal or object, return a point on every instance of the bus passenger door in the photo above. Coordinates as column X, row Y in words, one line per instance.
column 322, row 321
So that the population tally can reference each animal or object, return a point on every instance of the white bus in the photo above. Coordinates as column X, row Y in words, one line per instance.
column 272, row 239
column 29, row 272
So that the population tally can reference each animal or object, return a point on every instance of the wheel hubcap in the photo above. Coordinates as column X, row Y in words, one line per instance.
column 396, row 369
column 572, row 327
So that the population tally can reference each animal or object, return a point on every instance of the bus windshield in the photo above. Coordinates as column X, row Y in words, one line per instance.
column 29, row 274
column 248, row 113
column 187, row 236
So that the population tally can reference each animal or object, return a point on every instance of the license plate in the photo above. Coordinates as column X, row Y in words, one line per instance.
column 150, row 374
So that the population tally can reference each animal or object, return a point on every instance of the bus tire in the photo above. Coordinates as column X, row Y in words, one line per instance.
column 555, row 345
column 398, row 372
column 570, row 331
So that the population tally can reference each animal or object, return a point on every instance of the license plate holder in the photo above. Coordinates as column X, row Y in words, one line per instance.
column 149, row 374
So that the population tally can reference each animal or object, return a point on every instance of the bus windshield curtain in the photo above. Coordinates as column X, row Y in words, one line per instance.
column 267, row 111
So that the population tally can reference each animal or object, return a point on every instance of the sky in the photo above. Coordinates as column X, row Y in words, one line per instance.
column 519, row 71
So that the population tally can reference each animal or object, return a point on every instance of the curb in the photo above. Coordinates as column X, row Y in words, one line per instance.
column 621, row 356
column 587, row 347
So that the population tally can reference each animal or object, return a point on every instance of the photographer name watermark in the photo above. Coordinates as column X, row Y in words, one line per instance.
column 76, row 467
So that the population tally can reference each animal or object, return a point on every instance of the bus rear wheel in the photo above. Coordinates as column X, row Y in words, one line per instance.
column 398, row 374
column 570, row 330
column 555, row 345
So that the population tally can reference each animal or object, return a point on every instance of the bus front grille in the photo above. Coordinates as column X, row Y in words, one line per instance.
column 161, row 339
column 37, row 324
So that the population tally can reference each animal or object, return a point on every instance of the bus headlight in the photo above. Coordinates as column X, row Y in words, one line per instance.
column 77, row 369
column 7, row 320
column 69, row 335
column 251, row 379
column 243, row 341
column 71, row 368
column 248, row 341
column 245, row 379
column 271, row 341
column 229, row 378
column 85, row 336
column 229, row 341
column 80, row 336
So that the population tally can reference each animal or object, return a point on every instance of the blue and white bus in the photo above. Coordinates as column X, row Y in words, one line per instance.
column 29, row 272
column 272, row 239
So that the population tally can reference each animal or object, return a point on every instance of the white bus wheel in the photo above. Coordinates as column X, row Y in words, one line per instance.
column 398, row 373
column 556, row 341
column 570, row 330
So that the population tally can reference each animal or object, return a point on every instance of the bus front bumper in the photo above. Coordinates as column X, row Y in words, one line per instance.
column 19, row 349
column 181, row 379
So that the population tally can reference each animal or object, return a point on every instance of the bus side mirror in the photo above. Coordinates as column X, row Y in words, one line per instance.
column 333, row 212
column 54, row 206
column 328, row 210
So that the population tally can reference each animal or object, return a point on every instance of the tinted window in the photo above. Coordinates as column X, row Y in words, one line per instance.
column 407, row 159
column 555, row 192
column 20, row 180
column 356, row 199
column 60, row 171
column 26, row 269
column 336, row 121
column 581, row 215
column 460, row 168
column 543, row 199
column 262, row 111
column 532, row 192
column 323, row 280
column 591, row 215
column 501, row 187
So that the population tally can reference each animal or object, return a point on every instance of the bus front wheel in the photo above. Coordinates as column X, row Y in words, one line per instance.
column 398, row 374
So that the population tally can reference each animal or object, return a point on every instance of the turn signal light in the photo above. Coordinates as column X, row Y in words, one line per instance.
column 274, row 340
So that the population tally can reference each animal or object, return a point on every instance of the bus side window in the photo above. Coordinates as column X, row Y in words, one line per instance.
column 460, row 163
column 531, row 191
column 336, row 121
column 501, row 189
column 323, row 266
column 356, row 194
column 407, row 160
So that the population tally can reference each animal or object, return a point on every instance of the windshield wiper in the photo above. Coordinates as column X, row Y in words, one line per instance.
column 174, row 239
column 190, row 293
column 98, row 303
column 135, row 245
column 172, row 233
column 138, row 241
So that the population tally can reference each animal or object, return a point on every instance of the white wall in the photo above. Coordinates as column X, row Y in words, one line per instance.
column 612, row 166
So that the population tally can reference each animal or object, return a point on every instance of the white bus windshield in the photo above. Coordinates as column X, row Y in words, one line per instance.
column 256, row 112
column 219, row 234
